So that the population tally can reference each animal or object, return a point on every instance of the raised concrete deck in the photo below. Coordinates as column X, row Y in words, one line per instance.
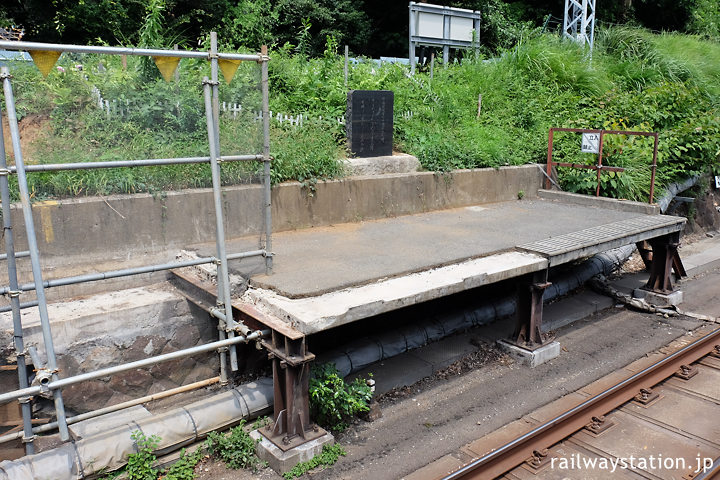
column 328, row 276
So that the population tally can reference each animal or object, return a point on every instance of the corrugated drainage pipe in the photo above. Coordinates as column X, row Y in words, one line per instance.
column 177, row 428
column 358, row 354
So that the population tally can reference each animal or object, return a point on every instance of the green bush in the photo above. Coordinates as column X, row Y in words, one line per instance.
column 236, row 448
column 332, row 401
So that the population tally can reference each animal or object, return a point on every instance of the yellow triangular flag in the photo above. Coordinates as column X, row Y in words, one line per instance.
column 44, row 60
column 167, row 66
column 228, row 67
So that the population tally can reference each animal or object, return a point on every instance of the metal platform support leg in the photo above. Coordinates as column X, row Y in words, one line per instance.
column 665, row 258
column 291, row 376
column 528, row 332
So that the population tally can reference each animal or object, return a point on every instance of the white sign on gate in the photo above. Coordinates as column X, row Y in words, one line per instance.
column 717, row 181
column 590, row 143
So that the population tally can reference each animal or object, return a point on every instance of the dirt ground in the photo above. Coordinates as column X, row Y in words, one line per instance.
column 487, row 390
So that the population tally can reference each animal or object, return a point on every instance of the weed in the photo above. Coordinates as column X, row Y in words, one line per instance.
column 236, row 448
column 184, row 467
column 332, row 401
column 327, row 457
column 140, row 464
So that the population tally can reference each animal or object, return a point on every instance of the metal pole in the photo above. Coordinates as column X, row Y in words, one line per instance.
column 114, row 408
column 34, row 252
column 346, row 63
column 15, row 298
column 24, row 253
column 446, row 35
column 55, row 167
column 145, row 362
column 549, row 159
column 599, row 165
column 411, row 43
column 653, row 168
column 28, row 46
column 94, row 277
column 266, row 159
column 432, row 65
column 223, row 275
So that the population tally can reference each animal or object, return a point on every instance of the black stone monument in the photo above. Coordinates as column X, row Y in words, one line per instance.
column 369, row 122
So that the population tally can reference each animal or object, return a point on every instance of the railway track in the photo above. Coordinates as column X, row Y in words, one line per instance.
column 658, row 418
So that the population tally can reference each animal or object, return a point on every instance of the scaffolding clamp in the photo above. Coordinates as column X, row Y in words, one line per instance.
column 27, row 399
column 212, row 83
column 4, row 172
column 5, row 75
column 14, row 293
column 29, row 439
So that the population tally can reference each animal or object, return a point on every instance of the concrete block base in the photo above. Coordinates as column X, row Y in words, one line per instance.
column 532, row 358
column 281, row 461
column 399, row 163
column 659, row 299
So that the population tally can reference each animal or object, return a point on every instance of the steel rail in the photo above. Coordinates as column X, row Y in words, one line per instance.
column 514, row 453
column 55, row 47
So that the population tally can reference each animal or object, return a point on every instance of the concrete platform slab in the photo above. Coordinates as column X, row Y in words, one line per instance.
column 661, row 300
column 315, row 314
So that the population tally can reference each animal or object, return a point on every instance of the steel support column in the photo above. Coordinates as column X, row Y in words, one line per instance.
column 528, row 331
column 664, row 259
column 291, row 376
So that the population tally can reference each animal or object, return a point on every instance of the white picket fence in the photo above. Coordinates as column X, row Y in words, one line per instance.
column 123, row 108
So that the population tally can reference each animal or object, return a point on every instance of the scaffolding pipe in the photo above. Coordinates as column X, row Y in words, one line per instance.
column 18, row 341
column 24, row 253
column 223, row 274
column 94, row 277
column 23, row 306
column 49, row 427
column 30, row 46
column 151, row 162
column 57, row 384
column 266, row 159
column 34, row 251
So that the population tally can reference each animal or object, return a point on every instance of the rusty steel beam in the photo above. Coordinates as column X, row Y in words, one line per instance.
column 517, row 451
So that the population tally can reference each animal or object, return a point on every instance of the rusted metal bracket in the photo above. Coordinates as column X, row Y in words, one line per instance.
column 664, row 259
column 539, row 460
column 716, row 352
column 599, row 425
column 528, row 332
column 291, row 375
column 646, row 396
column 686, row 372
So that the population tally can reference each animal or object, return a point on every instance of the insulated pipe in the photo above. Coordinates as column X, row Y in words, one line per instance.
column 109, row 450
column 363, row 352
column 34, row 251
column 673, row 189
column 48, row 427
column 11, row 256
column 30, row 46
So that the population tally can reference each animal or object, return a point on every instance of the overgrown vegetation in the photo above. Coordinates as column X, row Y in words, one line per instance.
column 636, row 80
column 332, row 401
column 236, row 448
column 141, row 465
column 326, row 458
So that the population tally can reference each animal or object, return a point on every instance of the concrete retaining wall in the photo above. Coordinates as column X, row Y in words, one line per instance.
column 118, row 327
column 91, row 234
